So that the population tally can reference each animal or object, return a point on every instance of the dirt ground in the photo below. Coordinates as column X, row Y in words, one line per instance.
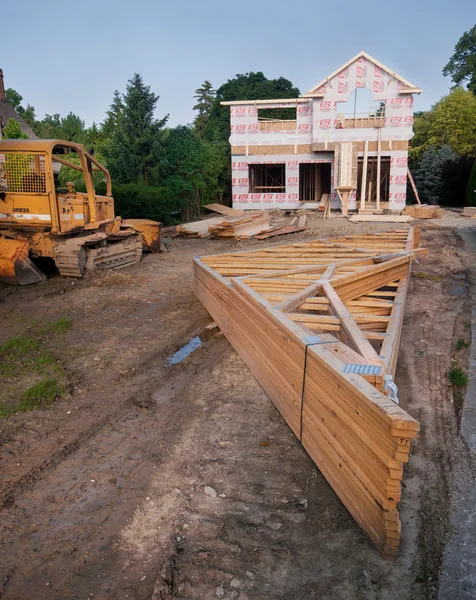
column 103, row 494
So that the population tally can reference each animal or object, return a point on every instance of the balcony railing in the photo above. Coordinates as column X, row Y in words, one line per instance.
column 360, row 120
column 269, row 125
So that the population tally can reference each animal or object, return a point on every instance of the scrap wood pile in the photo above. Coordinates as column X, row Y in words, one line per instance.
column 319, row 324
column 236, row 224
column 425, row 211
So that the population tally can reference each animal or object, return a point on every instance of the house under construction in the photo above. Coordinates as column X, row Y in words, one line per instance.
column 317, row 152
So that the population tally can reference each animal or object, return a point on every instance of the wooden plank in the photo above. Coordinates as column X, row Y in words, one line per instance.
column 380, row 218
column 415, row 191
column 224, row 210
column 282, row 231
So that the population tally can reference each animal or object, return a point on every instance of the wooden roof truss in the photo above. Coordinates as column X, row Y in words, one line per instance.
column 319, row 325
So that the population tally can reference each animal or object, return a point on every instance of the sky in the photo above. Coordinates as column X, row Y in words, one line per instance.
column 71, row 56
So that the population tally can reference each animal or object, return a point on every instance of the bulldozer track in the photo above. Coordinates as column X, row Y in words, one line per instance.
column 76, row 256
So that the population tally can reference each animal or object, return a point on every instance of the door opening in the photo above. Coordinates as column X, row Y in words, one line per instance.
column 314, row 180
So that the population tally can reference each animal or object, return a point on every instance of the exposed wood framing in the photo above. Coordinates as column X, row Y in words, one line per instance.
column 319, row 325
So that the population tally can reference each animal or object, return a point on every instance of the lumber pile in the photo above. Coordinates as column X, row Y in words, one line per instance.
column 198, row 229
column 425, row 211
column 241, row 227
column 251, row 225
column 319, row 323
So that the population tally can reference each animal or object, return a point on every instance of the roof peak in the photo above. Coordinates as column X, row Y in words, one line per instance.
column 362, row 54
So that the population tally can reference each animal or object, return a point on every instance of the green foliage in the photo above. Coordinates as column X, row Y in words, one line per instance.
column 183, row 167
column 454, row 122
column 250, row 86
column 205, row 96
column 136, row 142
column 62, row 325
column 471, row 188
column 40, row 395
column 15, row 99
column 70, row 128
column 429, row 175
column 460, row 344
column 31, row 376
column 462, row 65
column 12, row 131
column 451, row 121
column 458, row 377
column 67, row 174
column 18, row 346
column 113, row 116
column 139, row 201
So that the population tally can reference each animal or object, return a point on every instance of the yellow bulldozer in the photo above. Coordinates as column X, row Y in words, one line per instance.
column 41, row 220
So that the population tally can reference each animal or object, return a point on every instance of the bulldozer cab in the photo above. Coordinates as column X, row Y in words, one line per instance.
column 30, row 196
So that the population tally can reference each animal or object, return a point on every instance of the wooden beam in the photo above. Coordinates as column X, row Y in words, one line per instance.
column 415, row 191
column 363, row 189
column 379, row 144
column 294, row 301
column 354, row 337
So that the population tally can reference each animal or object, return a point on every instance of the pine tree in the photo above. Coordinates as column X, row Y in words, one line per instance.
column 429, row 175
column 113, row 115
column 136, row 144
column 205, row 96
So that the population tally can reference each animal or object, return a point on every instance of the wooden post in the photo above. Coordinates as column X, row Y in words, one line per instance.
column 379, row 143
column 415, row 191
column 363, row 189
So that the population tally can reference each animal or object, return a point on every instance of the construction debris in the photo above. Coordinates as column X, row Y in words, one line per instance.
column 425, row 211
column 391, row 218
column 254, row 224
column 318, row 324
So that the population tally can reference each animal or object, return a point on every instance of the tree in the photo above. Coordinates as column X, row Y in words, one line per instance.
column 135, row 146
column 183, row 168
column 205, row 95
column 451, row 121
column 12, row 131
column 114, row 113
column 471, row 189
column 72, row 128
column 462, row 65
column 454, row 122
column 429, row 175
column 250, row 86
column 49, row 127
column 15, row 99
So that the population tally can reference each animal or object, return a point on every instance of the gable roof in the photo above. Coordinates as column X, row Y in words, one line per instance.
column 410, row 89
column 8, row 112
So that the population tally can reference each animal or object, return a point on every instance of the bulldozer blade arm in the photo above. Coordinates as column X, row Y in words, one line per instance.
column 15, row 266
column 149, row 230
